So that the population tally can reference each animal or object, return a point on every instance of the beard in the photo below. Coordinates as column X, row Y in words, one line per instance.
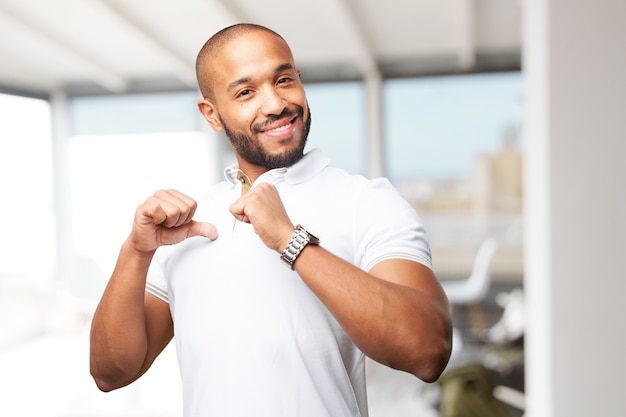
column 248, row 148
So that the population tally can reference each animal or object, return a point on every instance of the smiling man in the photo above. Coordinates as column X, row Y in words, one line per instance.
column 271, row 319
column 262, row 105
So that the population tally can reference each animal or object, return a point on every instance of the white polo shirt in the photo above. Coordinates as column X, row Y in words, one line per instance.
column 251, row 338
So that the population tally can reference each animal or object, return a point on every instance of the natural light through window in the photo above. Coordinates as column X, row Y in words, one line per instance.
column 28, row 244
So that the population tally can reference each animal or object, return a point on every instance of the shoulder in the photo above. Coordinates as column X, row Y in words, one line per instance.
column 359, row 185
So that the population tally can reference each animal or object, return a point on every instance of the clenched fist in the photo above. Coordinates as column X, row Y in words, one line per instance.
column 166, row 218
column 263, row 208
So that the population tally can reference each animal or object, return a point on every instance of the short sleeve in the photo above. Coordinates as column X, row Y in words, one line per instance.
column 156, row 284
column 388, row 227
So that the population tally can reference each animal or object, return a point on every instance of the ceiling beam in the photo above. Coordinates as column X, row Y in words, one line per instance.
column 104, row 76
column 366, row 61
column 184, row 70
column 236, row 13
column 467, row 34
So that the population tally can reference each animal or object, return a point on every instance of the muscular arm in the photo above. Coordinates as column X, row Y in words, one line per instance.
column 130, row 328
column 397, row 313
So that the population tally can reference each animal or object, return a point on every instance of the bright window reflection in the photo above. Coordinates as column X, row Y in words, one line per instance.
column 27, row 246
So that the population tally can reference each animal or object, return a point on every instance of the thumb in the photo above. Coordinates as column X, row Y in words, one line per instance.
column 202, row 229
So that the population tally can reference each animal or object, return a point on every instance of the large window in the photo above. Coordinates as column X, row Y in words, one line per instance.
column 454, row 148
column 27, row 246
column 338, row 123
column 123, row 149
column 437, row 127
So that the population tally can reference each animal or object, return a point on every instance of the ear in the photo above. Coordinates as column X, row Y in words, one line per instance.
column 210, row 114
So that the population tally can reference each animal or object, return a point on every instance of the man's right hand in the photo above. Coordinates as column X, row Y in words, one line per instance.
column 166, row 218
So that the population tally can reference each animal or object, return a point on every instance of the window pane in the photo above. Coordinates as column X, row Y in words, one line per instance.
column 437, row 126
column 26, row 179
column 454, row 148
column 134, row 113
column 27, row 247
column 338, row 123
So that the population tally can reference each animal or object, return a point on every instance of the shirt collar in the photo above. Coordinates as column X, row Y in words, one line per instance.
column 311, row 164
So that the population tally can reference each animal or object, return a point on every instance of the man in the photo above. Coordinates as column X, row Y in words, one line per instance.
column 269, row 321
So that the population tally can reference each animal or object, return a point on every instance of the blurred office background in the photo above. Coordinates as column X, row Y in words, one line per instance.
column 502, row 121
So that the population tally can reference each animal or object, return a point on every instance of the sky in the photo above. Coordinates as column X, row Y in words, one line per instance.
column 437, row 125
column 434, row 126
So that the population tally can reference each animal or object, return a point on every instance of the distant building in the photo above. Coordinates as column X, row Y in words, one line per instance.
column 461, row 212
column 497, row 179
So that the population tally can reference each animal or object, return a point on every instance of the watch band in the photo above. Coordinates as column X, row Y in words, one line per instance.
column 300, row 239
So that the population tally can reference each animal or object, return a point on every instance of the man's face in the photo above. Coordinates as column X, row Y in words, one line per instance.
column 260, row 101
column 250, row 148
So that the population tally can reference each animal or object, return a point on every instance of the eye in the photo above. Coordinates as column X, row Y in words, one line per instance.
column 244, row 93
column 284, row 80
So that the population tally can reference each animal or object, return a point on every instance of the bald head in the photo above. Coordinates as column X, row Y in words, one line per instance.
column 211, row 49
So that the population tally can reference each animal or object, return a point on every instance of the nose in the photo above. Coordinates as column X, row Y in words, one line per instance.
column 273, row 102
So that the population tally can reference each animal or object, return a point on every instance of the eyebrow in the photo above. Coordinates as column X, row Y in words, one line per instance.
column 233, row 85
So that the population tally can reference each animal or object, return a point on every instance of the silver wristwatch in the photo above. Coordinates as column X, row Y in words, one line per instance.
column 300, row 239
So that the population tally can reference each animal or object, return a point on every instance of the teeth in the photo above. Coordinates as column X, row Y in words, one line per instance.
column 278, row 129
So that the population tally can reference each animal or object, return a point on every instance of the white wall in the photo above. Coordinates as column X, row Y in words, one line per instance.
column 575, row 69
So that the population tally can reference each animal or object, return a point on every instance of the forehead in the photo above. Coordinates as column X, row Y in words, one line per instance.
column 249, row 56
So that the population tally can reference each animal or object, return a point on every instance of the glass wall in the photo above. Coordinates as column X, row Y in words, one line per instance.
column 454, row 148
column 338, row 123
column 27, row 246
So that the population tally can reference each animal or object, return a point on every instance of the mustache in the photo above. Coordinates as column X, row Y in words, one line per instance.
column 285, row 114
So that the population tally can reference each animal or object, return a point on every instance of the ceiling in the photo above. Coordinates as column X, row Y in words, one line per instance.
column 117, row 46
